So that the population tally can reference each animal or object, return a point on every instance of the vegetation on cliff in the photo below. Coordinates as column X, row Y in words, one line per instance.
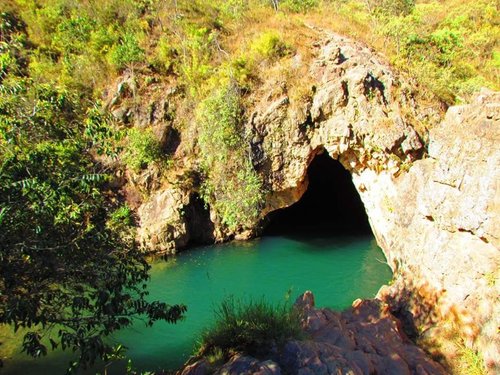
column 67, row 251
column 231, row 184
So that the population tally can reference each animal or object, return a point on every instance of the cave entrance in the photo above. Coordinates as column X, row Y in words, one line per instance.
column 200, row 229
column 331, row 204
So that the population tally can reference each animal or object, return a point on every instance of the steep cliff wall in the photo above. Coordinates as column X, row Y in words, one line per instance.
column 439, row 227
column 434, row 210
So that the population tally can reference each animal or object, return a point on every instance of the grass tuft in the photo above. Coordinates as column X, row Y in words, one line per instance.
column 254, row 328
column 470, row 361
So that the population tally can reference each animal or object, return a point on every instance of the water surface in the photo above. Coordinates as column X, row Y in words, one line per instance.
column 337, row 270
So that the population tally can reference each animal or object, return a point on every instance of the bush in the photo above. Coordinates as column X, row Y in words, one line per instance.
column 231, row 186
column 269, row 45
column 233, row 8
column 254, row 328
column 392, row 7
column 195, row 67
column 126, row 53
column 121, row 219
column 235, row 193
column 165, row 55
column 298, row 6
column 142, row 149
column 73, row 34
column 470, row 361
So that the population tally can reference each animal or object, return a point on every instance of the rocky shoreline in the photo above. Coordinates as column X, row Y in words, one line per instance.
column 365, row 339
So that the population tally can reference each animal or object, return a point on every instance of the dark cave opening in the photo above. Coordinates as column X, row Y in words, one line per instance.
column 200, row 228
column 331, row 204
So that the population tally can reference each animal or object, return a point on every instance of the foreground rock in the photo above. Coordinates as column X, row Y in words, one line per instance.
column 366, row 339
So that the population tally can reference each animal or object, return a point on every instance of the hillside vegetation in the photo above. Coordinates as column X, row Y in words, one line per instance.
column 66, row 237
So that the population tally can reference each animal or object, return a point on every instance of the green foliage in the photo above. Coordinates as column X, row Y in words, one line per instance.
column 232, row 187
column 220, row 116
column 12, row 44
column 98, row 131
column 121, row 219
column 470, row 361
column 254, row 328
column 142, row 149
column 234, row 192
column 445, row 47
column 240, row 70
column 126, row 53
column 77, row 44
column 391, row 7
column 67, row 253
column 165, row 55
column 269, row 45
column 298, row 6
column 233, row 8
column 73, row 34
column 60, row 262
column 195, row 59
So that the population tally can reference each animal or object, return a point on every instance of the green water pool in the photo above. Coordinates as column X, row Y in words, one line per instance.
column 337, row 270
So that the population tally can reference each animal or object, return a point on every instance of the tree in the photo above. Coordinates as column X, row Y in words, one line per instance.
column 70, row 271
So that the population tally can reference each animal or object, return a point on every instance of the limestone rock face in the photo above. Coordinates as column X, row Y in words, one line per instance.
column 354, row 114
column 366, row 339
column 171, row 219
column 162, row 226
column 238, row 365
column 439, row 226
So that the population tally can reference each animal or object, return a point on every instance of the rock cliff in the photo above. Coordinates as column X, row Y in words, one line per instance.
column 433, row 206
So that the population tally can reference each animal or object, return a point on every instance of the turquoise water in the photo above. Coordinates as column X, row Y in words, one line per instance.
column 337, row 270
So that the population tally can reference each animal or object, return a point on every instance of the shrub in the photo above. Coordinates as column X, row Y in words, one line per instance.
column 165, row 55
column 73, row 34
column 231, row 186
column 102, row 40
column 298, row 6
column 254, row 328
column 269, row 45
column 121, row 219
column 143, row 148
column 126, row 53
column 234, row 192
column 470, row 361
column 392, row 7
column 233, row 8
column 195, row 65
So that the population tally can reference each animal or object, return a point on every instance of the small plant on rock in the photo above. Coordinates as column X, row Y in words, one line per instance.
column 254, row 327
column 142, row 149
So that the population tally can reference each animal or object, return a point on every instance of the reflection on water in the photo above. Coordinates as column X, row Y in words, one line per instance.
column 337, row 269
